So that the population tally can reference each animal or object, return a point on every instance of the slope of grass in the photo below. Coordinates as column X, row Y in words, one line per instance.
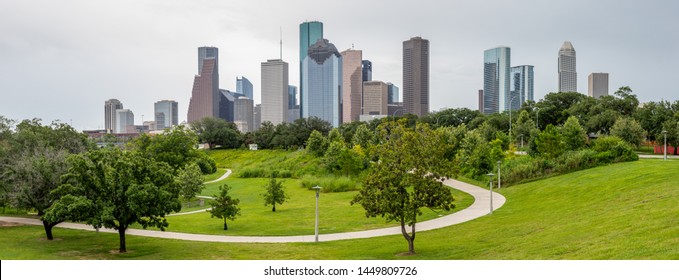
column 298, row 163
column 621, row 211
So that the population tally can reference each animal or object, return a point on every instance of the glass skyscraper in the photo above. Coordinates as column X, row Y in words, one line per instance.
column 496, row 80
column 166, row 114
column 321, row 94
column 393, row 93
column 244, row 87
column 309, row 34
column 521, row 86
column 367, row 66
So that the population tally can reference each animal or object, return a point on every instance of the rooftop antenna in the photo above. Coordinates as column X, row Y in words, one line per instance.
column 281, row 34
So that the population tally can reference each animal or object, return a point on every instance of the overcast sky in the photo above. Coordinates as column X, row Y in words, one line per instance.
column 63, row 59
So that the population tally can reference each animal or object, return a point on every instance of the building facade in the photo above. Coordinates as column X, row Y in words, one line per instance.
column 110, row 107
column 352, row 84
column 375, row 98
column 597, row 85
column 244, row 87
column 243, row 114
column 257, row 117
column 166, row 114
column 568, row 77
column 205, row 94
column 275, row 91
column 496, row 80
column 481, row 100
column 321, row 94
column 227, row 100
column 367, row 70
column 124, row 121
column 416, row 76
column 521, row 86
column 393, row 93
column 309, row 33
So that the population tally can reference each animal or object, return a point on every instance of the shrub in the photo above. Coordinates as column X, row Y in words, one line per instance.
column 614, row 149
column 331, row 184
column 207, row 165
column 264, row 173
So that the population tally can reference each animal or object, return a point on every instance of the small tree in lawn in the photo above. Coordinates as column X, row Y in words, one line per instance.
column 224, row 206
column 407, row 177
column 190, row 180
column 275, row 193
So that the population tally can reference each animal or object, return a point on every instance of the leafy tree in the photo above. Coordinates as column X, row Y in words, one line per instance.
column 175, row 147
column 652, row 115
column 553, row 109
column 573, row 135
column 335, row 136
column 453, row 117
column 274, row 193
column 115, row 189
column 225, row 207
column 284, row 136
column 672, row 128
column 401, row 183
column 549, row 142
column 264, row 135
column 363, row 136
column 317, row 144
column 524, row 127
column 340, row 159
column 190, row 181
column 603, row 121
column 473, row 156
column 216, row 131
column 629, row 130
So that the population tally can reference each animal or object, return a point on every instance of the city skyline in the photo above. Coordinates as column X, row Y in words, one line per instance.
column 149, row 56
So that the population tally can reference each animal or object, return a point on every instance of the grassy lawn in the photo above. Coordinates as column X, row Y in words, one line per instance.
column 297, row 162
column 622, row 211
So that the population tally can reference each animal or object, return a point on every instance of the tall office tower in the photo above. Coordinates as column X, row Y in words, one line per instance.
column 292, row 97
column 598, row 85
column 416, row 76
column 521, row 86
column 375, row 98
column 309, row 34
column 275, row 91
column 110, row 107
column 243, row 114
column 205, row 95
column 124, row 121
column 227, row 99
column 244, row 87
column 393, row 93
column 257, row 117
column 166, row 114
column 321, row 94
column 367, row 71
column 496, row 80
column 481, row 100
column 205, row 53
column 568, row 77
column 352, row 84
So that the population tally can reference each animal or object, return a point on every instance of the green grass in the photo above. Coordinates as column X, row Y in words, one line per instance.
column 298, row 163
column 214, row 176
column 295, row 217
column 621, row 211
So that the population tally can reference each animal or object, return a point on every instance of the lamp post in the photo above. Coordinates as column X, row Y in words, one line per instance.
column 393, row 116
column 318, row 189
column 490, row 176
column 499, row 185
column 665, row 147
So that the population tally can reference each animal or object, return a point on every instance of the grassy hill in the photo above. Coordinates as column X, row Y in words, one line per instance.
column 621, row 211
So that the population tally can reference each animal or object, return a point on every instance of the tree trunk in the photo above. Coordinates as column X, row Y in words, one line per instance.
column 121, row 234
column 274, row 208
column 225, row 226
column 409, row 238
column 48, row 229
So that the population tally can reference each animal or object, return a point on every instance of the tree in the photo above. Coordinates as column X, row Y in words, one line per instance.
column 524, row 127
column 317, row 144
column 473, row 155
column 554, row 107
column 629, row 130
column 549, row 142
column 363, row 136
column 407, row 177
column 672, row 128
column 115, row 189
column 274, row 193
column 225, row 207
column 190, row 181
column 176, row 147
column 216, row 131
column 264, row 135
column 573, row 135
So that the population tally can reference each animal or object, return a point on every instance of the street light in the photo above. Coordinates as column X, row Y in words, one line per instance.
column 490, row 176
column 665, row 148
column 499, row 185
column 393, row 116
column 318, row 190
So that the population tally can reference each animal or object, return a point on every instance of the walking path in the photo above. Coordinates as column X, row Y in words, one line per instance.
column 228, row 172
column 479, row 208
column 659, row 156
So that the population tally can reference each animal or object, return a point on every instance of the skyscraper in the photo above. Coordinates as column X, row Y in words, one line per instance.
column 375, row 98
column 393, row 93
column 367, row 74
column 521, row 86
column 568, row 77
column 481, row 100
column 275, row 91
column 110, row 107
column 257, row 117
column 496, row 80
column 244, row 87
column 292, row 97
column 205, row 95
column 124, row 121
column 352, row 84
column 309, row 34
column 321, row 94
column 243, row 115
column 166, row 114
column 227, row 101
column 416, row 76
column 598, row 85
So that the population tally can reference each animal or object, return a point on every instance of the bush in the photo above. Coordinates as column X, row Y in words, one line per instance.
column 614, row 149
column 331, row 184
column 264, row 173
column 207, row 165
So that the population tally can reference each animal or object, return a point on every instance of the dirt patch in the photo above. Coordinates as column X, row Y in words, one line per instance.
column 8, row 224
column 117, row 252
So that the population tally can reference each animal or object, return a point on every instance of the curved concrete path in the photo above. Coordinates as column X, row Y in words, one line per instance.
column 479, row 208
column 228, row 172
